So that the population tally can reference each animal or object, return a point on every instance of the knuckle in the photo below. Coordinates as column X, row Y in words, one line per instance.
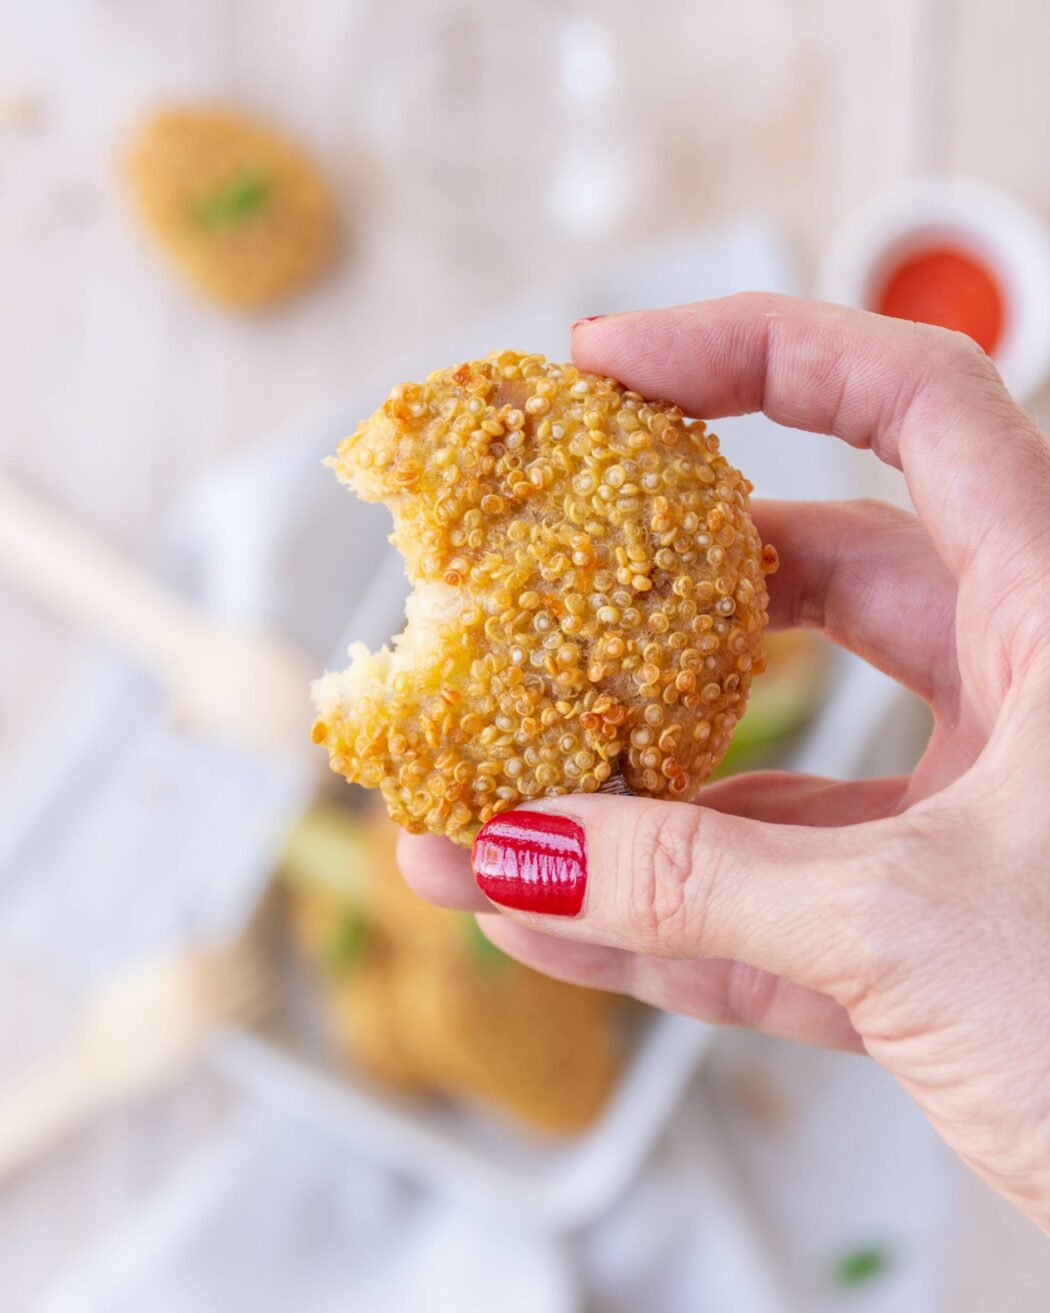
column 862, row 910
column 886, row 912
column 665, row 870
column 751, row 996
column 757, row 303
column 948, row 359
column 868, row 511
column 1030, row 646
column 956, row 351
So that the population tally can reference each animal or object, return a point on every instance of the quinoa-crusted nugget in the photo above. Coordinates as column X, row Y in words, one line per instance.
column 242, row 211
column 511, row 1039
column 418, row 999
column 362, row 996
column 589, row 596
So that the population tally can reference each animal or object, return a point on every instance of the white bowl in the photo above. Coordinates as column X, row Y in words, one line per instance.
column 1001, row 232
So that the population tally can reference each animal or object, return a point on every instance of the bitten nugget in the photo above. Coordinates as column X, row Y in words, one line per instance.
column 589, row 596
column 242, row 211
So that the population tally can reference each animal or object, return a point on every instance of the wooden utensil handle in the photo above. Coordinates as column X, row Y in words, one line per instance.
column 45, row 1104
column 66, row 567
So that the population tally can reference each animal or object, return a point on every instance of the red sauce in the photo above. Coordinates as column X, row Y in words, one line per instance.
column 949, row 287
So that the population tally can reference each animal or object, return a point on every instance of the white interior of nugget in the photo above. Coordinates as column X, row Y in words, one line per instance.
column 430, row 610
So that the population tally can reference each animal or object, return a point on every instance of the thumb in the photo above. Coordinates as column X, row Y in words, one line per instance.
column 677, row 880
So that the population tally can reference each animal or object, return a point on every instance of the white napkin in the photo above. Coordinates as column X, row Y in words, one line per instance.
column 276, row 1219
column 128, row 834
column 731, row 1215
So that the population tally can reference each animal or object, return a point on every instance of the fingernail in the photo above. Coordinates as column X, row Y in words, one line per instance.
column 533, row 862
column 588, row 320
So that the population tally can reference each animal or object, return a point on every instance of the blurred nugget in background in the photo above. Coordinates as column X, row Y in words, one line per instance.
column 240, row 209
column 417, row 997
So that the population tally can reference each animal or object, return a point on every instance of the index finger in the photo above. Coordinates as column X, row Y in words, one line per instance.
column 925, row 400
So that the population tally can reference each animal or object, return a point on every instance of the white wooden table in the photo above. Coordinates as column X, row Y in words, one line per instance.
column 116, row 386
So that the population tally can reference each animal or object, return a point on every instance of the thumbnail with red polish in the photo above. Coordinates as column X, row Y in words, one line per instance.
column 533, row 862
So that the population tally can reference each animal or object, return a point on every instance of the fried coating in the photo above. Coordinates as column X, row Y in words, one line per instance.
column 546, row 1052
column 589, row 596
column 361, row 998
column 242, row 211
column 417, row 999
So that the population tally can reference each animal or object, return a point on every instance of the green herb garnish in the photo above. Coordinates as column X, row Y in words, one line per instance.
column 349, row 943
column 860, row 1265
column 234, row 202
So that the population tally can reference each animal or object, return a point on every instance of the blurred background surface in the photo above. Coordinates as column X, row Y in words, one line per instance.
column 497, row 170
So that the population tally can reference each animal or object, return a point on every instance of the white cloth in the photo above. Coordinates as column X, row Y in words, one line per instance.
column 729, row 1216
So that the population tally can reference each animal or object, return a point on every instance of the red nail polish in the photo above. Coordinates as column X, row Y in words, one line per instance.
column 588, row 320
column 533, row 862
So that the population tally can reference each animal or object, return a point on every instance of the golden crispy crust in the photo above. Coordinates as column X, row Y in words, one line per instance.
column 590, row 596
column 423, row 1011
column 241, row 210
column 546, row 1052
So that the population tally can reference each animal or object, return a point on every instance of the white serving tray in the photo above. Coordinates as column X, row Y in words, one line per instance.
column 481, row 1161
column 272, row 540
column 274, row 1217
column 271, row 573
column 539, row 1182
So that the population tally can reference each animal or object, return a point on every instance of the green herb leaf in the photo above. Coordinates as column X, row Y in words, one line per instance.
column 234, row 202
column 348, row 944
column 482, row 949
column 861, row 1265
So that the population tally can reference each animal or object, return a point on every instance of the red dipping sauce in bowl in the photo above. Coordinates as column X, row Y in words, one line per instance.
column 956, row 253
column 947, row 286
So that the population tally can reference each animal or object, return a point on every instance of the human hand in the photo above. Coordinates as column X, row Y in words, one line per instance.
column 908, row 918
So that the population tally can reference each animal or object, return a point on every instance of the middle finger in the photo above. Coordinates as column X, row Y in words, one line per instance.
column 867, row 575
